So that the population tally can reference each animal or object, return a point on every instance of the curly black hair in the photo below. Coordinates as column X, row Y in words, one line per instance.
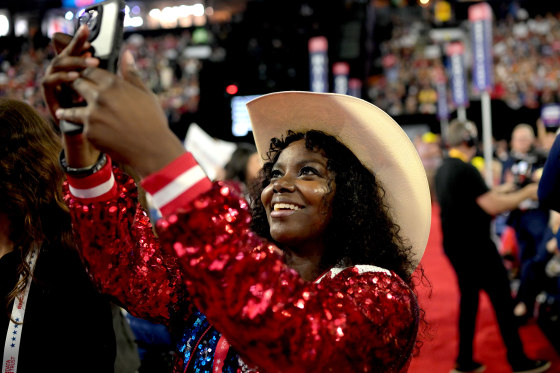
column 361, row 230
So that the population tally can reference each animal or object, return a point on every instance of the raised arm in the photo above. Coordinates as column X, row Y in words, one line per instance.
column 117, row 243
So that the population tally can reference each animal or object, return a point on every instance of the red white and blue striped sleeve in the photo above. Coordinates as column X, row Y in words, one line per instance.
column 177, row 184
column 171, row 188
column 100, row 186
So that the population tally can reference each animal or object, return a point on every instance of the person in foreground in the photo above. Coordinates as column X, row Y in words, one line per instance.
column 52, row 317
column 318, row 280
column 467, row 207
column 549, row 183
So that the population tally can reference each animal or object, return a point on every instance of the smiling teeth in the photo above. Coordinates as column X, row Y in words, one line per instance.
column 285, row 206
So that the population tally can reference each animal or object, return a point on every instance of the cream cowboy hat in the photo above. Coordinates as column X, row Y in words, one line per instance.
column 372, row 135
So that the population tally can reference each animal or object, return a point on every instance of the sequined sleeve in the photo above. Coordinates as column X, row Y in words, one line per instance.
column 362, row 319
column 120, row 251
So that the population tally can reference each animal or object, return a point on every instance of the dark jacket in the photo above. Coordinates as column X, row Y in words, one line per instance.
column 68, row 325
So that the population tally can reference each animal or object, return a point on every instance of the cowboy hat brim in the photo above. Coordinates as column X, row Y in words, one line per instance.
column 373, row 136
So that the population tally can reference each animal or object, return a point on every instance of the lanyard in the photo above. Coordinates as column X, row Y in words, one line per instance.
column 13, row 336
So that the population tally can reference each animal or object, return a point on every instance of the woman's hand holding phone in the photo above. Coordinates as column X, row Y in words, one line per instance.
column 73, row 56
column 122, row 117
column 99, row 35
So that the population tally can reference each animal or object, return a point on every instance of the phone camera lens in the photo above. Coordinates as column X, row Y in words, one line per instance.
column 93, row 19
column 89, row 18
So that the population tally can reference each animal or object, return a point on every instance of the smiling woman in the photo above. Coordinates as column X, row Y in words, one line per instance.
column 297, row 201
column 318, row 280
column 340, row 193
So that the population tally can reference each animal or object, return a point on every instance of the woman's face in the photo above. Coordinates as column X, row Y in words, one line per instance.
column 298, row 200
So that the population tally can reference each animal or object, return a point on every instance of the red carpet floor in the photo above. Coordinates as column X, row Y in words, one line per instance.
column 438, row 352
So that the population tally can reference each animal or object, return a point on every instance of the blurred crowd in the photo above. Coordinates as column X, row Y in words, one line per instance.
column 526, row 56
column 525, row 236
column 168, row 70
column 163, row 61
column 526, row 59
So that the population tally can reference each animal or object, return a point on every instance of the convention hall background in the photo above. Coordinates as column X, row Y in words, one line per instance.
column 204, row 59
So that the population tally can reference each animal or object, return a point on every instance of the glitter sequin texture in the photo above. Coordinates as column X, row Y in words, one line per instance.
column 356, row 321
column 122, row 255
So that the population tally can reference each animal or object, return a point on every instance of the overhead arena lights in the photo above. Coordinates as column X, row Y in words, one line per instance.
column 4, row 23
column 178, row 16
column 132, row 17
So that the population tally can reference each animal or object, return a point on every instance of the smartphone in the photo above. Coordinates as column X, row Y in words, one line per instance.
column 105, row 22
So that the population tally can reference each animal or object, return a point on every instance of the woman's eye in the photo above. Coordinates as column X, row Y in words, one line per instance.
column 307, row 170
column 275, row 174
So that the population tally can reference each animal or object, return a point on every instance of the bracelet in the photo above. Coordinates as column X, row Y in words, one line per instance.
column 82, row 171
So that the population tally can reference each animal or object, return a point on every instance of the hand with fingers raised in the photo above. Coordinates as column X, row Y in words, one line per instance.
column 122, row 117
column 73, row 55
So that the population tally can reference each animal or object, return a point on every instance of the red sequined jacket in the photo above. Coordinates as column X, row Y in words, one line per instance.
column 357, row 319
